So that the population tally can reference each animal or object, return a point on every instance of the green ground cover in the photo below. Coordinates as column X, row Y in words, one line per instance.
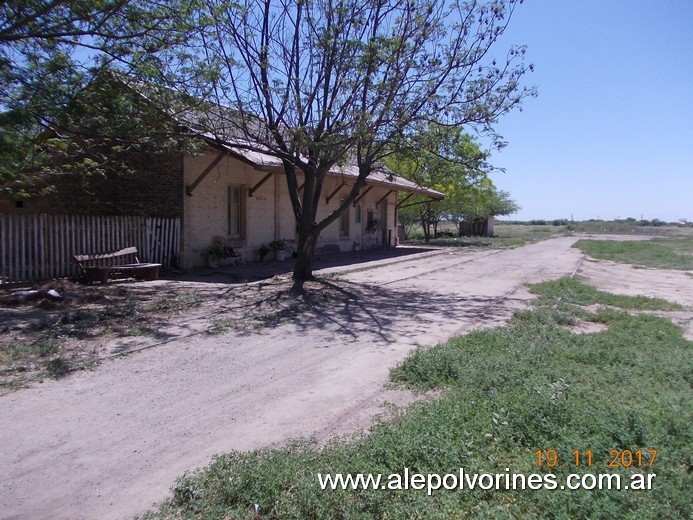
column 505, row 236
column 516, row 234
column 597, row 227
column 663, row 253
column 505, row 394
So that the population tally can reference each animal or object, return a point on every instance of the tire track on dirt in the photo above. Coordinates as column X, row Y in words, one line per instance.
column 465, row 260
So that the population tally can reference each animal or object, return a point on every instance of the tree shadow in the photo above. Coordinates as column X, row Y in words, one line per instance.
column 354, row 311
column 259, row 271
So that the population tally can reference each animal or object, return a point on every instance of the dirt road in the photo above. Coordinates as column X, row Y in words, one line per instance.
column 108, row 443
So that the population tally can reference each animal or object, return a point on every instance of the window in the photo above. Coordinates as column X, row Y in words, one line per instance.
column 236, row 212
column 344, row 222
column 357, row 214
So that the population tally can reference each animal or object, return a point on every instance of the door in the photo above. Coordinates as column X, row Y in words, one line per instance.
column 383, row 224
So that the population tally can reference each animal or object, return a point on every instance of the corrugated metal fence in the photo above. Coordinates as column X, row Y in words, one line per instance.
column 39, row 247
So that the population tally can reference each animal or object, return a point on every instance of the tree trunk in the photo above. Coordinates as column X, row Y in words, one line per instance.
column 426, row 225
column 305, row 252
column 307, row 231
column 306, row 210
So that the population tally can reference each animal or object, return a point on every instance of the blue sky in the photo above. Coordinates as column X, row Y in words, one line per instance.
column 611, row 131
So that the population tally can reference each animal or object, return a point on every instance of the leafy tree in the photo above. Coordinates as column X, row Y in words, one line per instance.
column 451, row 162
column 54, row 94
column 321, row 84
column 408, row 216
column 476, row 204
column 445, row 159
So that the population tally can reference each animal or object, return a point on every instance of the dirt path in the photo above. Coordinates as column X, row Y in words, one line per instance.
column 109, row 443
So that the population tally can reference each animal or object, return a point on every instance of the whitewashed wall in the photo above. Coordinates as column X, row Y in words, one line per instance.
column 269, row 215
column 205, row 212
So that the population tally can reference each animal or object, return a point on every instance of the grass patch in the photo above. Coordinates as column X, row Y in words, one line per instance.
column 19, row 355
column 58, row 367
column 507, row 393
column 663, row 253
column 482, row 242
column 572, row 291
column 175, row 303
column 527, row 233
column 505, row 237
column 136, row 330
column 223, row 325
column 599, row 227
column 20, row 351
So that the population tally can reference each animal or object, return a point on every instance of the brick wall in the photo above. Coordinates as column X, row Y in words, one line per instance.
column 154, row 190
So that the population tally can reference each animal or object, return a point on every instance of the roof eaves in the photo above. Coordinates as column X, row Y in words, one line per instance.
column 265, row 161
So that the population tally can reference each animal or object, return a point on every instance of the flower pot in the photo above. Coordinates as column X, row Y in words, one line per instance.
column 212, row 262
column 280, row 255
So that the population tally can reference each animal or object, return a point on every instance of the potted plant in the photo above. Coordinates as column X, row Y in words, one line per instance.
column 372, row 225
column 279, row 248
column 214, row 254
column 218, row 253
column 263, row 251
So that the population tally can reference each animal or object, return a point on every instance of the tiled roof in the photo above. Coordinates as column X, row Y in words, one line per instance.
column 384, row 178
column 199, row 121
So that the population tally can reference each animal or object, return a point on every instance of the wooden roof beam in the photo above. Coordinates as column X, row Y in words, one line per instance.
column 430, row 199
column 331, row 195
column 384, row 197
column 405, row 199
column 369, row 188
column 260, row 183
column 190, row 188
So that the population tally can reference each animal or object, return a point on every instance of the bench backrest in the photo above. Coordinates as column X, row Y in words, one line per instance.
column 106, row 258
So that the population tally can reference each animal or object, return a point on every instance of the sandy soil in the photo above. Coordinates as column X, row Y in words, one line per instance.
column 108, row 443
column 674, row 286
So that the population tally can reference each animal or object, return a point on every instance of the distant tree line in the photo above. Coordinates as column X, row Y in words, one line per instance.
column 655, row 222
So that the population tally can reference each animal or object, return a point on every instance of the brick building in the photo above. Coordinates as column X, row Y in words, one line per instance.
column 223, row 191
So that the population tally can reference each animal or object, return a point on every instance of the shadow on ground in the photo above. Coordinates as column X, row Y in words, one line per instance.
column 104, row 321
column 353, row 311
column 256, row 271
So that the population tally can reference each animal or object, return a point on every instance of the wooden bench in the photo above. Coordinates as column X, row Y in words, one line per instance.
column 104, row 266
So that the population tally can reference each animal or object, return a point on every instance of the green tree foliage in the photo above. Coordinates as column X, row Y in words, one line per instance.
column 449, row 161
column 321, row 84
column 476, row 204
column 483, row 200
column 452, row 162
column 57, row 99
